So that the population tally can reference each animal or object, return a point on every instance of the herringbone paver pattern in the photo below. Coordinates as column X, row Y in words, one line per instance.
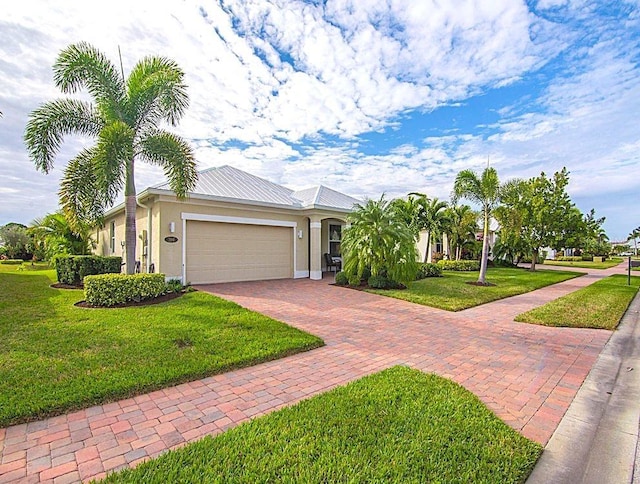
column 526, row 374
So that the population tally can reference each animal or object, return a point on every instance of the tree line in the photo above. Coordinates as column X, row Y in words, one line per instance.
column 531, row 215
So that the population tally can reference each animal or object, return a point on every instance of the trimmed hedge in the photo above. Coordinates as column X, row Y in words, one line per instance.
column 114, row 289
column 570, row 258
column 459, row 265
column 11, row 262
column 71, row 269
column 429, row 270
column 382, row 282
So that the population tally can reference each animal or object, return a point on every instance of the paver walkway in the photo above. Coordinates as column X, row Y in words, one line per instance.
column 526, row 374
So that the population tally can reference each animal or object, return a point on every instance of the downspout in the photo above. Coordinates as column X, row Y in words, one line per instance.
column 149, row 225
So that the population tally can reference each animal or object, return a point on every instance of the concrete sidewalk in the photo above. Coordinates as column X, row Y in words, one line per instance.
column 597, row 440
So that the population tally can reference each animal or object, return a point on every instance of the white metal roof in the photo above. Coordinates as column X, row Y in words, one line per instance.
column 228, row 182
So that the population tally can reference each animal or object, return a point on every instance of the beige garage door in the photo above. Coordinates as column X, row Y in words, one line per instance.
column 224, row 252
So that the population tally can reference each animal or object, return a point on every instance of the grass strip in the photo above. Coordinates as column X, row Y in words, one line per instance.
column 584, row 264
column 400, row 425
column 452, row 293
column 600, row 305
column 55, row 357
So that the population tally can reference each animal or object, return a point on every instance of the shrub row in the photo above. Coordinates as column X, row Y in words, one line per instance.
column 113, row 289
column 11, row 262
column 71, row 269
column 459, row 265
column 570, row 258
column 429, row 270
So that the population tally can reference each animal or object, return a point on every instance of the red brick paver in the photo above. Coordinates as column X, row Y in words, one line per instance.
column 528, row 375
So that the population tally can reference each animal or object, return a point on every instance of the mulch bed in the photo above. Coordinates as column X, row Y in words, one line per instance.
column 60, row 285
column 146, row 302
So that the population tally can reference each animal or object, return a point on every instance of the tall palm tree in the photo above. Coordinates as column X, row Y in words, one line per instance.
column 125, row 117
column 379, row 239
column 462, row 227
column 486, row 191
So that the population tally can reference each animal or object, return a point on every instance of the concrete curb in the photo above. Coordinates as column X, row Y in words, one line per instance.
column 597, row 439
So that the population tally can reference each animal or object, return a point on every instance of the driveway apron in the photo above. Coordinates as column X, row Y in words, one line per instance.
column 527, row 374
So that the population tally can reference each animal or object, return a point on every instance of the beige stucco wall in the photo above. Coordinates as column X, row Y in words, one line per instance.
column 171, row 211
column 167, row 257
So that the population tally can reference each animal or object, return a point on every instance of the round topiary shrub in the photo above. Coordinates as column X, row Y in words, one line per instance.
column 342, row 279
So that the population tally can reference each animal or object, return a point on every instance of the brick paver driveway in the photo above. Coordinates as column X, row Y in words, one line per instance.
column 526, row 374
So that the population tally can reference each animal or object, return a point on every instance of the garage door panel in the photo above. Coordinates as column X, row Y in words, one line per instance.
column 224, row 252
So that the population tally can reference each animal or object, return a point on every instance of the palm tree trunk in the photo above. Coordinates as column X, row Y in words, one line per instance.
column 427, row 254
column 485, row 249
column 130, row 220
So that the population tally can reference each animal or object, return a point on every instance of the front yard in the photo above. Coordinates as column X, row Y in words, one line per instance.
column 600, row 305
column 55, row 357
column 399, row 425
column 451, row 292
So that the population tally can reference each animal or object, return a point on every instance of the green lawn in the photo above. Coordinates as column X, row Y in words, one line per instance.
column 585, row 264
column 451, row 292
column 55, row 357
column 600, row 305
column 399, row 425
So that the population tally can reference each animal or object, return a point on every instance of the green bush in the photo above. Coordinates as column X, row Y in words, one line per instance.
column 459, row 265
column 71, row 269
column 114, row 289
column 11, row 262
column 382, row 282
column 570, row 258
column 174, row 285
column 587, row 257
column 342, row 279
column 429, row 270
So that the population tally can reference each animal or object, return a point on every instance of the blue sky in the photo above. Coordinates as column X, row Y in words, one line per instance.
column 365, row 96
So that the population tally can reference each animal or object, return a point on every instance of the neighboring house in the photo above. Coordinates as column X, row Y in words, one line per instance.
column 233, row 227
column 440, row 246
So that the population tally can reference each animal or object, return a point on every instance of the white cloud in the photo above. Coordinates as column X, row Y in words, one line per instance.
column 285, row 88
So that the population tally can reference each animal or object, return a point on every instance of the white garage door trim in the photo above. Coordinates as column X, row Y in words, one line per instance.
column 200, row 217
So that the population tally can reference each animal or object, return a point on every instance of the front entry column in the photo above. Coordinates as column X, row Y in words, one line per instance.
column 315, row 235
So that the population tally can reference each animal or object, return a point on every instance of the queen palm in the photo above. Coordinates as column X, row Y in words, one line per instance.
column 125, row 117
column 486, row 191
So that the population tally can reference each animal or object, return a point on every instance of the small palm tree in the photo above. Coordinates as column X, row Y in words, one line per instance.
column 432, row 218
column 56, row 236
column 486, row 191
column 125, row 117
column 380, row 240
column 462, row 227
column 635, row 233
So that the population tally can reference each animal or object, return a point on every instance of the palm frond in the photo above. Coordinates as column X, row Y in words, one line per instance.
column 176, row 158
column 114, row 151
column 82, row 65
column 81, row 198
column 156, row 92
column 48, row 125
